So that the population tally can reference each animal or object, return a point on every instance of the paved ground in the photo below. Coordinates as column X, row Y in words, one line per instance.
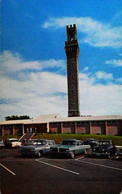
column 57, row 175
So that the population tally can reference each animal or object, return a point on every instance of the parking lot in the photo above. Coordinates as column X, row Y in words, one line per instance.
column 58, row 175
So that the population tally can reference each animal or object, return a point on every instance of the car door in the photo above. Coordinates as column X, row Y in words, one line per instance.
column 47, row 147
column 79, row 148
column 82, row 148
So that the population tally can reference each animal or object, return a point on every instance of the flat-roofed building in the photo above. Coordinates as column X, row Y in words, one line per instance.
column 109, row 125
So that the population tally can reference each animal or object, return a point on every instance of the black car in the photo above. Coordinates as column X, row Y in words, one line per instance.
column 119, row 154
column 91, row 141
column 105, row 148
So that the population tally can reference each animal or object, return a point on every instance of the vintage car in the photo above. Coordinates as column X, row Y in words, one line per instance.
column 1, row 143
column 105, row 148
column 31, row 142
column 119, row 154
column 91, row 141
column 69, row 147
column 39, row 148
column 12, row 142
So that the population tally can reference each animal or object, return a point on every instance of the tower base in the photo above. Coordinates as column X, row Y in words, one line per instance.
column 73, row 113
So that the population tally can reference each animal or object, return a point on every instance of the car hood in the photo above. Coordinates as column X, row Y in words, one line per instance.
column 102, row 146
column 63, row 146
column 30, row 147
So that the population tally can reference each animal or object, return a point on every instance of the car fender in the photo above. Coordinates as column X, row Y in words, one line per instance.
column 72, row 150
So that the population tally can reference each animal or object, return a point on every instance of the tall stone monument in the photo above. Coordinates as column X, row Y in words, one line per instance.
column 72, row 53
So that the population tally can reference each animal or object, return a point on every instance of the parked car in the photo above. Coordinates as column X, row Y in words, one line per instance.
column 119, row 154
column 12, row 142
column 69, row 147
column 105, row 148
column 1, row 143
column 91, row 141
column 31, row 142
column 38, row 149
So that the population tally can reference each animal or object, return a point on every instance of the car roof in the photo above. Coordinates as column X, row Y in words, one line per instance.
column 42, row 140
column 105, row 140
column 91, row 139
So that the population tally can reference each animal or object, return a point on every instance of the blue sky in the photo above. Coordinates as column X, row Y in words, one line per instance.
column 33, row 61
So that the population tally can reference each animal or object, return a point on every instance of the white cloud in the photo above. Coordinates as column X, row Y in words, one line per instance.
column 114, row 62
column 119, row 80
column 96, row 34
column 104, row 75
column 12, row 62
column 41, row 93
column 85, row 69
column 46, row 93
column 100, row 99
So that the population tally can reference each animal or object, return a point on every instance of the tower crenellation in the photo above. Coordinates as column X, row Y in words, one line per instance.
column 71, row 33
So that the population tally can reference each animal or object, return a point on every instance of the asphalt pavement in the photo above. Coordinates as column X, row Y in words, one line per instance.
column 58, row 175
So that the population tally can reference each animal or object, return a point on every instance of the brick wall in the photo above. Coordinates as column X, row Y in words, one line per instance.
column 96, row 129
column 81, row 130
column 112, row 130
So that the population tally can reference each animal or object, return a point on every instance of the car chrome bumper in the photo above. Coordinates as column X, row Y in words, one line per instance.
column 100, row 154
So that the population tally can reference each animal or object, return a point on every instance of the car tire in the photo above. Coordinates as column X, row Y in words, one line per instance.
column 39, row 154
column 72, row 154
column 86, row 151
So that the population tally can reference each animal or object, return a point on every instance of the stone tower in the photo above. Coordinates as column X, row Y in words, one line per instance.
column 72, row 53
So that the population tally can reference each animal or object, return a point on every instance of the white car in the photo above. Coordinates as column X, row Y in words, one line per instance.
column 1, row 143
column 13, row 142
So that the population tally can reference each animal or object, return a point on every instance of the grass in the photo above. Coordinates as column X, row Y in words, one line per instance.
column 9, row 136
column 117, row 140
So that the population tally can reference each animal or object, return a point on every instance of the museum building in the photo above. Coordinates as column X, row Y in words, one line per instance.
column 109, row 125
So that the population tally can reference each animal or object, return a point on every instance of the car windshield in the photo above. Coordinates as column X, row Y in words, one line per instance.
column 68, row 143
column 39, row 142
column 104, row 143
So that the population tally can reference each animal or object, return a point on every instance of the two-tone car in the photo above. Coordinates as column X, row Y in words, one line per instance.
column 39, row 148
column 70, row 148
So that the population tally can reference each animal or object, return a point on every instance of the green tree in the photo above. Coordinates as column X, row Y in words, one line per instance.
column 15, row 117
